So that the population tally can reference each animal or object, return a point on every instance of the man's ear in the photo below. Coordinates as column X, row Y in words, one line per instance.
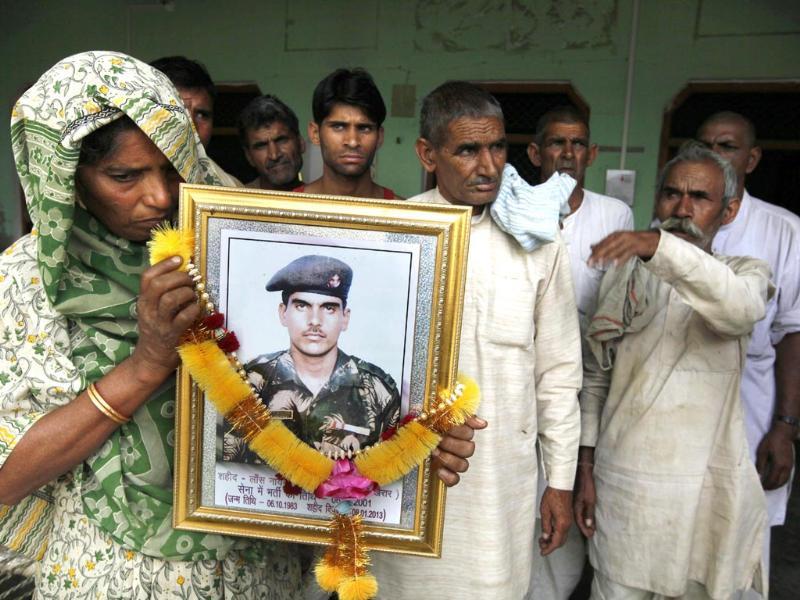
column 313, row 133
column 426, row 154
column 346, row 319
column 592, row 154
column 533, row 154
column 753, row 158
column 380, row 137
column 246, row 152
column 730, row 211
column 282, row 313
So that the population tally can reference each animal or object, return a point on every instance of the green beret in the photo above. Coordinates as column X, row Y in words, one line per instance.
column 319, row 274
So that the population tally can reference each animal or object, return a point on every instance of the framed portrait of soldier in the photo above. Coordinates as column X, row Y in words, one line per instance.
column 347, row 314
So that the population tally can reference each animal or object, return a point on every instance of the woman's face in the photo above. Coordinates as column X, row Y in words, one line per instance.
column 132, row 189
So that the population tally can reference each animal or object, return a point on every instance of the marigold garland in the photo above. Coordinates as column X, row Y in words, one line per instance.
column 207, row 351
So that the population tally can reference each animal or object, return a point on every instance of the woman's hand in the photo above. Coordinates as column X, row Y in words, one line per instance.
column 67, row 435
column 167, row 307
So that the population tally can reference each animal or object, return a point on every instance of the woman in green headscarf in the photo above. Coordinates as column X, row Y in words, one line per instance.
column 101, row 142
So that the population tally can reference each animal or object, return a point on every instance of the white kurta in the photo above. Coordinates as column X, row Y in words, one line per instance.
column 597, row 217
column 771, row 233
column 677, row 497
column 520, row 341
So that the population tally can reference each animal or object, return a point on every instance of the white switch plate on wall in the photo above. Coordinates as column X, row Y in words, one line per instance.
column 621, row 183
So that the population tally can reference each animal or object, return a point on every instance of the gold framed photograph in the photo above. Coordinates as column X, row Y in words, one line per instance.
column 347, row 314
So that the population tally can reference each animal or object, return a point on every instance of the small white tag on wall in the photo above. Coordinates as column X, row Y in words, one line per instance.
column 621, row 183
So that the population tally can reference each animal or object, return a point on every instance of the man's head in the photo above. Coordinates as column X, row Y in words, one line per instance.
column 270, row 137
column 561, row 144
column 313, row 302
column 733, row 137
column 463, row 141
column 348, row 121
column 196, row 89
column 696, row 194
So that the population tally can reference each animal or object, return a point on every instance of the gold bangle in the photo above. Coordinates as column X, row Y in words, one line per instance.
column 104, row 407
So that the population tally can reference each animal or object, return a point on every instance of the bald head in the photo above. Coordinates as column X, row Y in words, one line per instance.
column 733, row 137
column 728, row 117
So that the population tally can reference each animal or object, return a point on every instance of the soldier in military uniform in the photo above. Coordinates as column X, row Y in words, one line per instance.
column 337, row 403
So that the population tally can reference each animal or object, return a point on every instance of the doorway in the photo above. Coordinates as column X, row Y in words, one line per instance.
column 774, row 109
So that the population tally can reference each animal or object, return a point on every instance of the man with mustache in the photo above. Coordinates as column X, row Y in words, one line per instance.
column 334, row 402
column 270, row 136
column 561, row 144
column 348, row 127
column 665, row 491
column 771, row 380
column 520, row 341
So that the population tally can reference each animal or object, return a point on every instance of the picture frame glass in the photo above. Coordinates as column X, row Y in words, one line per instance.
column 367, row 282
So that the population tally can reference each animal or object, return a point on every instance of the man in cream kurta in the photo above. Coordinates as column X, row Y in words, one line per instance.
column 520, row 341
column 679, row 512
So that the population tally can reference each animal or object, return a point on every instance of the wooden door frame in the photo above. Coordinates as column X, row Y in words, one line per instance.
column 733, row 86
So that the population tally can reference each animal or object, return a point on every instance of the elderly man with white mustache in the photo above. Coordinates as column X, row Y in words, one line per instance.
column 665, row 491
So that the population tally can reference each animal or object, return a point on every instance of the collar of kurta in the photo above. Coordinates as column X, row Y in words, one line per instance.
column 438, row 198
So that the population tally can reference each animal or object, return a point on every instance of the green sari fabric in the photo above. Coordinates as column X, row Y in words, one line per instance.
column 92, row 277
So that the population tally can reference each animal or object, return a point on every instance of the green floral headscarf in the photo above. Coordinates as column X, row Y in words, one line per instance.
column 92, row 277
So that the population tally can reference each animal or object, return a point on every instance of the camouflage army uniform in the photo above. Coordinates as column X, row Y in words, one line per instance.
column 356, row 405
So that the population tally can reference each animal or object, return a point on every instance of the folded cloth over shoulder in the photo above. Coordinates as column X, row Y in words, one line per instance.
column 531, row 213
column 627, row 302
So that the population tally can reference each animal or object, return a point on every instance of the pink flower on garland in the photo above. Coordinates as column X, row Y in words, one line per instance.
column 345, row 483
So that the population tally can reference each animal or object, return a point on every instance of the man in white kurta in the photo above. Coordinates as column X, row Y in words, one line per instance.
column 679, row 510
column 562, row 144
column 520, row 341
column 771, row 233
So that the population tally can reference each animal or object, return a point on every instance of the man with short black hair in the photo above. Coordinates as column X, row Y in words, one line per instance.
column 520, row 341
column 270, row 136
column 665, row 492
column 196, row 89
column 198, row 94
column 771, row 379
column 561, row 144
column 348, row 127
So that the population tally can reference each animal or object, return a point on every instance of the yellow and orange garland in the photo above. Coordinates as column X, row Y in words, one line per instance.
column 208, row 353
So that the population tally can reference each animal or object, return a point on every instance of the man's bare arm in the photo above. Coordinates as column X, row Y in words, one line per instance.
column 775, row 456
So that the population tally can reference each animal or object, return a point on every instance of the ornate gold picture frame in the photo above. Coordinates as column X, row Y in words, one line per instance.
column 405, row 269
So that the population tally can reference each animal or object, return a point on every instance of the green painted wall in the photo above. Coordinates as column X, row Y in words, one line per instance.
column 286, row 46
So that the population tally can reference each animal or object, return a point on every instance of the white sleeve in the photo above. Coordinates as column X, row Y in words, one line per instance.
column 730, row 300
column 558, row 373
